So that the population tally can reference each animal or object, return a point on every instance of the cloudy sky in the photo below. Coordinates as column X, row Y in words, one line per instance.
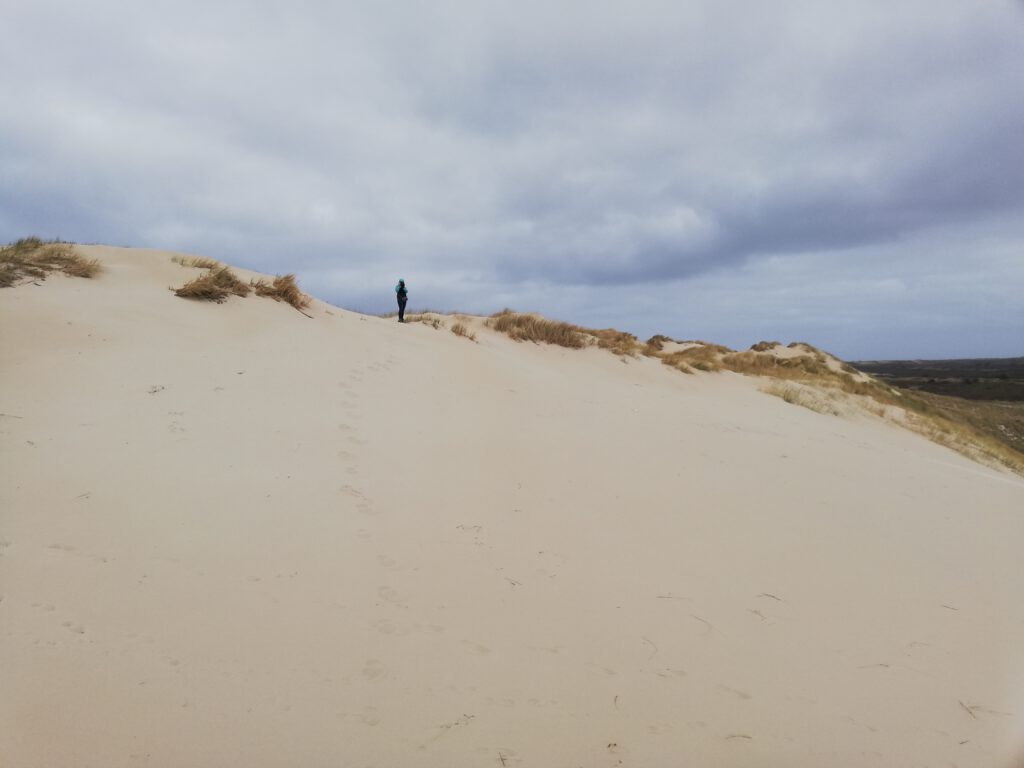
column 849, row 173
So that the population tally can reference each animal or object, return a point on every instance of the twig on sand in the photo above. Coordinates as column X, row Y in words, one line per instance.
column 705, row 622
column 978, row 708
column 11, row 416
column 739, row 736
column 651, row 643
column 769, row 594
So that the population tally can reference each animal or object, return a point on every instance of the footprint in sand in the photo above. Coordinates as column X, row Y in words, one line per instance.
column 735, row 692
column 385, row 626
column 373, row 669
column 78, row 629
column 369, row 716
column 350, row 490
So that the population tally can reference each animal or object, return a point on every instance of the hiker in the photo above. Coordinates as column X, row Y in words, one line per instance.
column 403, row 296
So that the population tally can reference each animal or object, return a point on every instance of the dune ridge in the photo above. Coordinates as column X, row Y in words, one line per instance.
column 234, row 534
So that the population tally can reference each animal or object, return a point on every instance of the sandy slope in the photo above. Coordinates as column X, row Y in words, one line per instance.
column 233, row 535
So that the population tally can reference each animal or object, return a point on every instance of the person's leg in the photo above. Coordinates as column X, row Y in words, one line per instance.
column 401, row 311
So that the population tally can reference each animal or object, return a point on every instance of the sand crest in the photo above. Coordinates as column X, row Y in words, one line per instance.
column 232, row 534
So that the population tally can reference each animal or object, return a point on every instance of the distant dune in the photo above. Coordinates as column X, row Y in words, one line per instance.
column 280, row 533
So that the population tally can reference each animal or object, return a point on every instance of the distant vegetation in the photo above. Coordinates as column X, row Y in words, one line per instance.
column 33, row 259
column 977, row 379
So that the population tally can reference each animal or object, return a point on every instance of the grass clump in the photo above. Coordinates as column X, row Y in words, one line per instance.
column 200, row 262
column 524, row 327
column 616, row 342
column 657, row 342
column 427, row 319
column 32, row 258
column 282, row 288
column 706, row 357
column 216, row 285
column 800, row 367
column 817, row 400
column 459, row 329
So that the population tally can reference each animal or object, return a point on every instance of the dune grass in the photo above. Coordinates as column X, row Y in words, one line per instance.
column 527, row 327
column 32, row 258
column 199, row 262
column 817, row 400
column 706, row 357
column 459, row 329
column 216, row 285
column 616, row 342
column 426, row 318
column 282, row 288
column 219, row 282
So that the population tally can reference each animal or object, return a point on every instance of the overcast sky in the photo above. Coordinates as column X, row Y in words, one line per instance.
column 849, row 173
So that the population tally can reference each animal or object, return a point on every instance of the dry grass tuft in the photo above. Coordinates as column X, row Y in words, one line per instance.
column 707, row 358
column 657, row 342
column 461, row 330
column 283, row 288
column 200, row 262
column 426, row 318
column 31, row 258
column 216, row 285
column 814, row 399
column 765, row 346
column 523, row 327
column 616, row 342
column 802, row 367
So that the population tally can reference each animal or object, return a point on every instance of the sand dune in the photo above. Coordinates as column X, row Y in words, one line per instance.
column 236, row 535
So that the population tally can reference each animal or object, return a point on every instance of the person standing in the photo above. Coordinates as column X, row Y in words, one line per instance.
column 403, row 296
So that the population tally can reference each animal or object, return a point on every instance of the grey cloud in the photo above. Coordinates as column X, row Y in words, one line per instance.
column 528, row 153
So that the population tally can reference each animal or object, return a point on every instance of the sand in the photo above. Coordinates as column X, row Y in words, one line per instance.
column 234, row 535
